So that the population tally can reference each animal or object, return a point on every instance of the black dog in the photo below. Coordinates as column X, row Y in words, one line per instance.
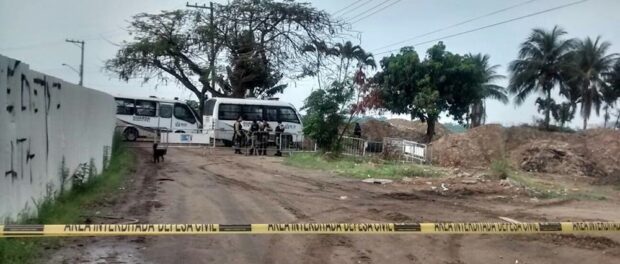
column 158, row 153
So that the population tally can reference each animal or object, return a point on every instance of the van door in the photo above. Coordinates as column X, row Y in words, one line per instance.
column 165, row 116
column 183, row 119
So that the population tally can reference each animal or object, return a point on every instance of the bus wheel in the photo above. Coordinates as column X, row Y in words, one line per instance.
column 131, row 134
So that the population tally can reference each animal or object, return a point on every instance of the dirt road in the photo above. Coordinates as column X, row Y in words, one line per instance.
column 218, row 187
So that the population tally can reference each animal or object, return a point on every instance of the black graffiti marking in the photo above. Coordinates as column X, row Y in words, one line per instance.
column 25, row 80
column 8, row 90
column 21, row 158
column 57, row 85
column 12, row 171
column 48, row 103
column 9, row 108
column 29, row 156
column 10, row 72
column 36, row 92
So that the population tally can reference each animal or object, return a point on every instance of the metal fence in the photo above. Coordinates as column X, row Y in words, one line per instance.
column 390, row 148
column 405, row 150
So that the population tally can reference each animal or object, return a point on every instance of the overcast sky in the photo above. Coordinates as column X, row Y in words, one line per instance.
column 34, row 32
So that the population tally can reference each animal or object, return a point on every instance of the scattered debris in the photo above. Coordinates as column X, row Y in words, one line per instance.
column 443, row 187
column 377, row 181
column 472, row 181
column 343, row 197
column 165, row 179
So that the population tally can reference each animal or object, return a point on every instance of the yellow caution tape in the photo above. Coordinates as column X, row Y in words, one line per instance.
column 306, row 228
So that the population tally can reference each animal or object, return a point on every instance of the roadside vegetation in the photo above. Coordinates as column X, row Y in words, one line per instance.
column 68, row 207
column 540, row 188
column 361, row 168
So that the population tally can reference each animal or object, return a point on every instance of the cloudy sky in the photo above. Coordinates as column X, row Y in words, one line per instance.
column 34, row 31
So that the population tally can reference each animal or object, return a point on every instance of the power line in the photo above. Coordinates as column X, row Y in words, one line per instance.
column 493, row 25
column 458, row 24
column 357, row 7
column 381, row 9
column 368, row 10
column 341, row 9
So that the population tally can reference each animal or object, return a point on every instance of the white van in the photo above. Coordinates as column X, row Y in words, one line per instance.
column 220, row 115
column 143, row 117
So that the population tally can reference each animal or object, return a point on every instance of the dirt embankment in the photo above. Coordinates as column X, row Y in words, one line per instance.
column 594, row 153
column 376, row 130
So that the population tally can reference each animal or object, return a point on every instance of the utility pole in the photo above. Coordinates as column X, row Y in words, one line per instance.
column 80, row 43
column 212, row 25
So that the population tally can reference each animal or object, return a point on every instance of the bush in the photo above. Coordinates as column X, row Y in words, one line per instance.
column 501, row 169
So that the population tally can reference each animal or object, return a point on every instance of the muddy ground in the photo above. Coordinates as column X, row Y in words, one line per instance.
column 194, row 186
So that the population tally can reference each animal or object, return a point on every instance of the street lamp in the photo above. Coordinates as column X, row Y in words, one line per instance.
column 79, row 43
column 71, row 67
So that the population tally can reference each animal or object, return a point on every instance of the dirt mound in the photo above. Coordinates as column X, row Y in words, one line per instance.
column 553, row 156
column 602, row 146
column 376, row 130
column 476, row 148
column 594, row 153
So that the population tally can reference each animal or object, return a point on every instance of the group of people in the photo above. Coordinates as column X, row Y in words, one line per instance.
column 258, row 136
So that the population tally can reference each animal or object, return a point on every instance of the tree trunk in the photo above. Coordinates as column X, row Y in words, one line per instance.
column 548, row 110
column 585, row 123
column 606, row 116
column 430, row 128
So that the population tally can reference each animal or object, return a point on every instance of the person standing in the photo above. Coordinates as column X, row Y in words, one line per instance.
column 279, row 132
column 357, row 132
column 238, row 135
column 254, row 137
column 264, row 137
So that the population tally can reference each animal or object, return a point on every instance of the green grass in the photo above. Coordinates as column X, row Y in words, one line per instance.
column 68, row 208
column 550, row 190
column 361, row 168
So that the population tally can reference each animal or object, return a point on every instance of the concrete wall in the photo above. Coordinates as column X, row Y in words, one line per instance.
column 49, row 130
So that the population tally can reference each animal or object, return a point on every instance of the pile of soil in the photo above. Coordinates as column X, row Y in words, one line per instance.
column 476, row 148
column 594, row 153
column 376, row 130
column 553, row 156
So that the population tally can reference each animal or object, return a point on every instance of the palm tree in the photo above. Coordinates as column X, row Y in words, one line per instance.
column 486, row 87
column 542, row 59
column 611, row 93
column 322, row 50
column 347, row 52
column 591, row 67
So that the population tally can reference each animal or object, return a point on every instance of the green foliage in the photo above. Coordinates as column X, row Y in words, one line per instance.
column 487, row 88
column 443, row 82
column 325, row 115
column 68, row 207
column 455, row 127
column 262, row 40
column 543, row 61
column 360, row 168
column 591, row 66
column 500, row 168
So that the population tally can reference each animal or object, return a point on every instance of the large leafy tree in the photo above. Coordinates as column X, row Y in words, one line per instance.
column 540, row 66
column 262, row 40
column 443, row 83
column 592, row 64
column 487, row 88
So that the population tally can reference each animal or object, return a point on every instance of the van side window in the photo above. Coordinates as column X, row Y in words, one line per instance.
column 271, row 113
column 182, row 112
column 165, row 110
column 124, row 106
column 145, row 108
column 252, row 112
column 229, row 111
column 209, row 105
column 287, row 114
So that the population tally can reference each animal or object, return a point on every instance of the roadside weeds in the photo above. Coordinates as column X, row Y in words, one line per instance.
column 69, row 207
